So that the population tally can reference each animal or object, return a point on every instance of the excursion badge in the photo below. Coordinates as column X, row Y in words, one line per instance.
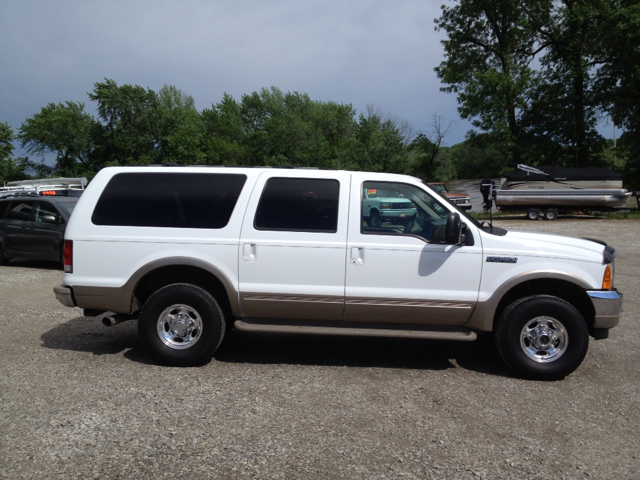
column 502, row 259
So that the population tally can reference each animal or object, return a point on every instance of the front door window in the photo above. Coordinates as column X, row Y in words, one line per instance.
column 402, row 209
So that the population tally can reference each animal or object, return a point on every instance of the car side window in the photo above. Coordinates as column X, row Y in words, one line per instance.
column 402, row 209
column 4, row 206
column 299, row 205
column 20, row 210
column 169, row 200
column 45, row 208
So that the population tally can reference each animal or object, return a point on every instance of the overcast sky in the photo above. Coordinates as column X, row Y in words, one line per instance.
column 350, row 51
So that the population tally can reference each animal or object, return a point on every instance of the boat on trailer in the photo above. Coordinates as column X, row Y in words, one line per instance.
column 546, row 190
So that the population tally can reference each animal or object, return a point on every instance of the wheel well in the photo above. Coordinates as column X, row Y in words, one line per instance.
column 567, row 291
column 161, row 277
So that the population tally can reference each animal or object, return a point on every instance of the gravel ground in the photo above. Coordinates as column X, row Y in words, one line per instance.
column 78, row 400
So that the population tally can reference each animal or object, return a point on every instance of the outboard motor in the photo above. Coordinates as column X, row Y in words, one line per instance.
column 486, row 189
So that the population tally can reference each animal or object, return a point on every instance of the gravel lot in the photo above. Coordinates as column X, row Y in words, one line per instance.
column 78, row 400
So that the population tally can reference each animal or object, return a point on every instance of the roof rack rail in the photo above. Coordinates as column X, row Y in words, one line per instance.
column 45, row 184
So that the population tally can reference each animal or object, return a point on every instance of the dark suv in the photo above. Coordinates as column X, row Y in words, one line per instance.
column 32, row 223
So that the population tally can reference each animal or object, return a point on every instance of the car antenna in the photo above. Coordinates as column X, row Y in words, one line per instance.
column 487, row 189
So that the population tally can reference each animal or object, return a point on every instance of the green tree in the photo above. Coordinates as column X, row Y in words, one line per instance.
column 180, row 128
column 381, row 147
column 223, row 133
column 488, row 50
column 562, row 118
column 429, row 162
column 618, row 79
column 10, row 169
column 131, row 129
column 66, row 130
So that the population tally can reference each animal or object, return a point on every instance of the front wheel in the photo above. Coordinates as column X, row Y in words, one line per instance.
column 374, row 220
column 551, row 214
column 542, row 337
column 181, row 325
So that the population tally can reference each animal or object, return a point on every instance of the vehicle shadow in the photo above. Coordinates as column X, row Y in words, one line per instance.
column 35, row 264
column 87, row 334
column 366, row 352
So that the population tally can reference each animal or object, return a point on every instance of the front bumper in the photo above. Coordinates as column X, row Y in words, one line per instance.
column 608, row 307
column 64, row 295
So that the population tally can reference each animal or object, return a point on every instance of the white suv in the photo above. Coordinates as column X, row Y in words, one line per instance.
column 193, row 251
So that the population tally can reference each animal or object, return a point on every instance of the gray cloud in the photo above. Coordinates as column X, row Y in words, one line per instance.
column 357, row 52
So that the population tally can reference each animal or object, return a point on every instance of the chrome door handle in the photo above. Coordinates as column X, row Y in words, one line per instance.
column 357, row 256
column 249, row 252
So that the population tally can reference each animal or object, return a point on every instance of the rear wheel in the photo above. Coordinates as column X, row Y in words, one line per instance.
column 533, row 214
column 550, row 214
column 2, row 260
column 181, row 325
column 542, row 337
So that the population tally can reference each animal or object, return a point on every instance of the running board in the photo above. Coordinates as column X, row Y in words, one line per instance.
column 434, row 333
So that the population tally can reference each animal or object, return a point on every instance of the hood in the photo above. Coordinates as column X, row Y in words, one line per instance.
column 526, row 243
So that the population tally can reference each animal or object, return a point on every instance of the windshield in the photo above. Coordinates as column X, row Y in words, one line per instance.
column 462, row 213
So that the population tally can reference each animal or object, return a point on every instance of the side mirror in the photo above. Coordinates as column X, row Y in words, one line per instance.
column 49, row 219
column 453, row 229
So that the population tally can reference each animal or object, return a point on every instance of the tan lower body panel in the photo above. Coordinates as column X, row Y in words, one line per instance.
column 388, row 310
column 103, row 298
column 398, row 331
column 376, row 310
column 303, row 307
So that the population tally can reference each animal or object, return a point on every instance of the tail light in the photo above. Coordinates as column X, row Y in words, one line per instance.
column 68, row 256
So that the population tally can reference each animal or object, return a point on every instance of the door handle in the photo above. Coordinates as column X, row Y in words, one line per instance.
column 249, row 252
column 357, row 256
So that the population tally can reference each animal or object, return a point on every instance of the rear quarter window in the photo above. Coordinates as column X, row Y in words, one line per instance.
column 171, row 200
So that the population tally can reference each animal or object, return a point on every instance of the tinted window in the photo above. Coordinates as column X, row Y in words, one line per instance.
column 178, row 200
column 3, row 208
column 20, row 209
column 299, row 204
column 45, row 208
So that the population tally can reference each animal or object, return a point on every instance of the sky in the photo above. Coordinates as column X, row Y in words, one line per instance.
column 358, row 52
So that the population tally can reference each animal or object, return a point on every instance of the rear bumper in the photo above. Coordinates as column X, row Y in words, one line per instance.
column 608, row 307
column 64, row 295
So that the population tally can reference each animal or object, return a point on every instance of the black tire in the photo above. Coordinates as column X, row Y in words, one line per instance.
column 560, row 337
column 374, row 220
column 198, row 325
column 2, row 259
column 533, row 214
column 550, row 214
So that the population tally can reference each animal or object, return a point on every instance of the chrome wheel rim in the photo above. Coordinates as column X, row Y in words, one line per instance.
column 544, row 339
column 179, row 326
